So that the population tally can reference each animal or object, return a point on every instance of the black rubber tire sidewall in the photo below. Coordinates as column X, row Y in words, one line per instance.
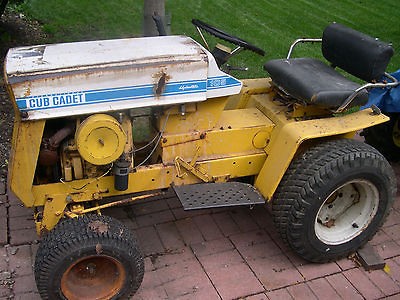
column 55, row 254
column 381, row 137
column 88, row 251
column 331, row 252
column 309, row 180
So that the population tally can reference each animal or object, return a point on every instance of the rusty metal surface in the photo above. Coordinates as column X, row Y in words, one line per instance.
column 112, row 204
column 79, row 55
column 97, row 76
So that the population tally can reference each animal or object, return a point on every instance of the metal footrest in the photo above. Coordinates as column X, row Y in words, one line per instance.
column 208, row 195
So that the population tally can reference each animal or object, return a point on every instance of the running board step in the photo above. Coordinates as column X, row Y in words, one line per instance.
column 208, row 195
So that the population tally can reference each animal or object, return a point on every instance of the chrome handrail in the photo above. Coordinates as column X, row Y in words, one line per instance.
column 349, row 99
column 303, row 40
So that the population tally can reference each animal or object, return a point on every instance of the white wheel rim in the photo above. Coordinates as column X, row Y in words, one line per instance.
column 346, row 212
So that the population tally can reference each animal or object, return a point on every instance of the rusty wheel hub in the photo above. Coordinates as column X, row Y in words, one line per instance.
column 347, row 212
column 93, row 277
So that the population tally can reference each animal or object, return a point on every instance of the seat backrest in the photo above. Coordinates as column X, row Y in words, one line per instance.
column 357, row 53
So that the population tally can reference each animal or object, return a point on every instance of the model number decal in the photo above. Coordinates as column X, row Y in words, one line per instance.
column 220, row 82
column 217, row 82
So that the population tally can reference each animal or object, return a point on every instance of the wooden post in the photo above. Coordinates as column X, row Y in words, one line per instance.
column 152, row 8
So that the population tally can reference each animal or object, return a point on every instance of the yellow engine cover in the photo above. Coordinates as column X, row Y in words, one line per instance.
column 100, row 139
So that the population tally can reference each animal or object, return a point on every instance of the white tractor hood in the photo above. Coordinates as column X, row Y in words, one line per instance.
column 50, row 81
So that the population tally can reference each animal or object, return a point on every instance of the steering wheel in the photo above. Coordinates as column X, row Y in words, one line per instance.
column 227, row 37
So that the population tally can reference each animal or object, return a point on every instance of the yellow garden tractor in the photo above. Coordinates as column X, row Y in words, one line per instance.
column 109, row 122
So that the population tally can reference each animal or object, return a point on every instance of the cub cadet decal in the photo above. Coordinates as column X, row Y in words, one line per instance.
column 60, row 100
column 106, row 95
column 39, row 102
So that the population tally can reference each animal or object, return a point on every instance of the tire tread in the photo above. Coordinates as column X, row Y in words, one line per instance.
column 318, row 164
column 74, row 233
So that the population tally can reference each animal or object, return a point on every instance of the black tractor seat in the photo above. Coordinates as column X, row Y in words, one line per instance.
column 311, row 81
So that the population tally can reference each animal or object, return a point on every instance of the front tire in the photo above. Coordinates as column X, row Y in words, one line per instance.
column 89, row 257
column 333, row 198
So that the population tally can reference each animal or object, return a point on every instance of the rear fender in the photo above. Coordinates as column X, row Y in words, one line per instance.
column 286, row 140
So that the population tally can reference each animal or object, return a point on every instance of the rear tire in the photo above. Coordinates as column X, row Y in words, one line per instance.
column 385, row 137
column 333, row 198
column 89, row 257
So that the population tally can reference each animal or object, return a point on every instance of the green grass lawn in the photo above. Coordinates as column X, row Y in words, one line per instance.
column 271, row 25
